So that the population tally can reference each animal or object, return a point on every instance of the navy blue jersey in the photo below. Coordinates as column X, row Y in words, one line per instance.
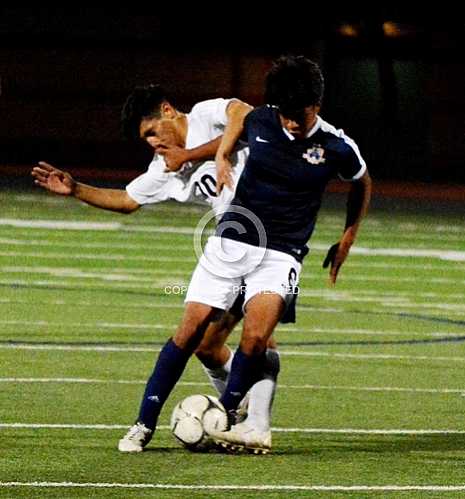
column 284, row 179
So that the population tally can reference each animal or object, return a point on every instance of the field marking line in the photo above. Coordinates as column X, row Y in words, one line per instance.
column 282, row 329
column 169, row 486
column 343, row 356
column 116, row 226
column 350, row 431
column 399, row 389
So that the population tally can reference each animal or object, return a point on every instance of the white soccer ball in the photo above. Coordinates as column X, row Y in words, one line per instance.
column 194, row 417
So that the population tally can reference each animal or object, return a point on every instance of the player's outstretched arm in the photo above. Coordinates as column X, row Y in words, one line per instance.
column 60, row 182
column 357, row 205
column 236, row 112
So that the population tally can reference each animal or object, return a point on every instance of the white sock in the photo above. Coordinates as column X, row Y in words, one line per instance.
column 218, row 376
column 262, row 394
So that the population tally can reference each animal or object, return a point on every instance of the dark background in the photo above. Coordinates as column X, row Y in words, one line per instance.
column 393, row 83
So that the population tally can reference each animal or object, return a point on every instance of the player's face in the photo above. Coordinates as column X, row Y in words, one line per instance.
column 162, row 130
column 157, row 131
column 299, row 123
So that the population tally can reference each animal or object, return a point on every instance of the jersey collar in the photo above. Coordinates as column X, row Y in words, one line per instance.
column 315, row 127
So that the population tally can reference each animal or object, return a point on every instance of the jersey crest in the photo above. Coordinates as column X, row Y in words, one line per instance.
column 315, row 155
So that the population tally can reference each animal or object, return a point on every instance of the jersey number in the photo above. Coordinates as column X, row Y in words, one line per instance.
column 207, row 186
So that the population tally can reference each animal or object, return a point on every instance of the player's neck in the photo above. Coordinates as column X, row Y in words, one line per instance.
column 181, row 128
column 309, row 125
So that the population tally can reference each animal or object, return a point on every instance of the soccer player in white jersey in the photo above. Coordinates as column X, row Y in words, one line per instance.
column 180, row 171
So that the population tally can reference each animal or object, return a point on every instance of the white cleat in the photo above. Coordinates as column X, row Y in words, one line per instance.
column 135, row 439
column 243, row 437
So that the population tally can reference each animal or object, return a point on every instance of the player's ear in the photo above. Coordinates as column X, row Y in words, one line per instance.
column 167, row 110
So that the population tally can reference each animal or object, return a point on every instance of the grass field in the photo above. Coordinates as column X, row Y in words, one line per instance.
column 372, row 393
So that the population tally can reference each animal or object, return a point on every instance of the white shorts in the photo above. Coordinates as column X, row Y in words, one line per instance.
column 227, row 266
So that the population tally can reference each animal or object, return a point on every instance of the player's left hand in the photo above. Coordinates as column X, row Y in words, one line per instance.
column 224, row 175
column 337, row 255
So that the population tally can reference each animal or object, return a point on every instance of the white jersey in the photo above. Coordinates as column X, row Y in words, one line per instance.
column 205, row 122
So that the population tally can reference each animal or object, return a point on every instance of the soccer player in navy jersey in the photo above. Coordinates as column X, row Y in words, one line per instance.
column 262, row 238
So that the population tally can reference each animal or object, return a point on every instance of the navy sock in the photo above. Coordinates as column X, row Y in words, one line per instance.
column 168, row 369
column 245, row 371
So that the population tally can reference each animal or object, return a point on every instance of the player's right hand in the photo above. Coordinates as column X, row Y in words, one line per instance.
column 53, row 179
column 174, row 156
column 224, row 175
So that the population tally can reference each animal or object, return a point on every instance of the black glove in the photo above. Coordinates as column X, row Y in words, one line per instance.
column 330, row 255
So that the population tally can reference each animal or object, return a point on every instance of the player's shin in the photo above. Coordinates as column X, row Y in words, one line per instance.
column 245, row 371
column 262, row 394
column 168, row 369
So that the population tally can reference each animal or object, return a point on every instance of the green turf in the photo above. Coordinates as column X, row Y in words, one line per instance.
column 383, row 350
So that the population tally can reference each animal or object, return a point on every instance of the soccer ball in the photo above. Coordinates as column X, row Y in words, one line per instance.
column 193, row 419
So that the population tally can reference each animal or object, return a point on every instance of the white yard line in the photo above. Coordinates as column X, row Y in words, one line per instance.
column 115, row 226
column 115, row 277
column 168, row 327
column 97, row 381
column 91, row 325
column 297, row 353
column 156, row 284
column 91, row 226
column 405, row 306
column 457, row 256
column 399, row 235
column 80, row 303
column 189, row 248
column 389, row 296
column 76, row 271
column 59, row 224
column 283, row 488
column 349, row 431
column 92, row 256
column 71, row 273
column 178, row 286
column 104, row 245
column 435, row 266
column 125, row 275
column 118, row 325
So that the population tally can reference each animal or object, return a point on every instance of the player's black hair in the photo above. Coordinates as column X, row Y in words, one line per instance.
column 293, row 83
column 143, row 102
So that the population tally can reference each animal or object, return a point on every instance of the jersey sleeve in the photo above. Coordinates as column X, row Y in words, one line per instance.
column 351, row 164
column 212, row 111
column 153, row 186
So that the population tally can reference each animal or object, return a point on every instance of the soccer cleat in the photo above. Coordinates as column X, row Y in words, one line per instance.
column 243, row 409
column 135, row 439
column 243, row 437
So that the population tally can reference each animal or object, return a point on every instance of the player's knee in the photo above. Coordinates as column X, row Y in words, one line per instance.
column 188, row 336
column 253, row 344
column 209, row 354
column 196, row 319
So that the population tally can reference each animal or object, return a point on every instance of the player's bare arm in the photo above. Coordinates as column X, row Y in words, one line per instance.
column 357, row 205
column 175, row 156
column 236, row 112
column 60, row 182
